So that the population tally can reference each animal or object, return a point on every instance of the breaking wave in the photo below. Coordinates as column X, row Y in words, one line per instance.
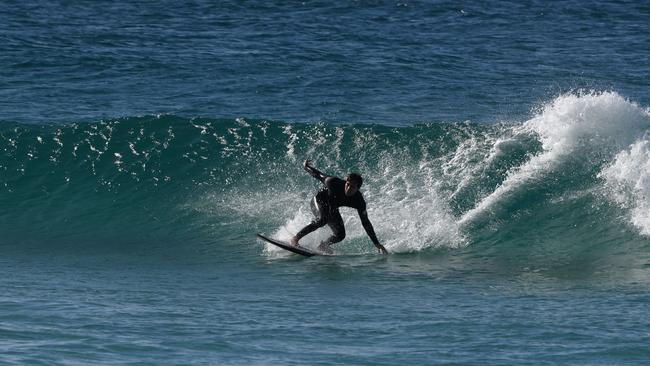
column 577, row 171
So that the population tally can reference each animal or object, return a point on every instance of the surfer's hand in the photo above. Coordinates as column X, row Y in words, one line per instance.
column 307, row 164
column 381, row 249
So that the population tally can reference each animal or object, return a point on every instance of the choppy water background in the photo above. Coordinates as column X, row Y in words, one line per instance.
column 385, row 62
column 505, row 149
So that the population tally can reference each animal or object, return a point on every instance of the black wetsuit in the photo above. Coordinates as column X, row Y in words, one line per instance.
column 325, row 206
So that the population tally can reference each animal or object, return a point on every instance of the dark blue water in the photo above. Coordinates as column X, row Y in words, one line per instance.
column 382, row 62
column 505, row 153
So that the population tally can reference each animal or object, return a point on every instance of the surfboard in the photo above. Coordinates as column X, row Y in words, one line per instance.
column 295, row 249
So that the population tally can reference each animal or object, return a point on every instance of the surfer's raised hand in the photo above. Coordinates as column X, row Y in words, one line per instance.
column 313, row 171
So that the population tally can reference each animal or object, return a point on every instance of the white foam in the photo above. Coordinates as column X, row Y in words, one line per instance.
column 588, row 119
column 627, row 181
column 572, row 124
column 301, row 218
column 416, row 222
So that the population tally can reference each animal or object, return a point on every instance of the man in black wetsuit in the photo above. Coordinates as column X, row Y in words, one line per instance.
column 325, row 206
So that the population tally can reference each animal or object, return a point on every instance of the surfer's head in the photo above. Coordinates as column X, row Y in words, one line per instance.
column 352, row 184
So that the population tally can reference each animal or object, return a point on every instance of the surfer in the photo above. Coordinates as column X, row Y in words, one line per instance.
column 325, row 207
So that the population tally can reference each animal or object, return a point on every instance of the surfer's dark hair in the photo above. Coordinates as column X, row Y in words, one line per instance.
column 355, row 178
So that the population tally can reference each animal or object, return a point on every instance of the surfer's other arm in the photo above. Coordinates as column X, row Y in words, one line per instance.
column 367, row 225
column 313, row 171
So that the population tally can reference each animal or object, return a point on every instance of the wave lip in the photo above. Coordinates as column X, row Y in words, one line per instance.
column 576, row 131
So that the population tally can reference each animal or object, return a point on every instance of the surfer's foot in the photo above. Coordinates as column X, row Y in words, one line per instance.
column 324, row 248
column 294, row 241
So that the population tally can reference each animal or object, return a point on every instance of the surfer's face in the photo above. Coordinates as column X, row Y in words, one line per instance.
column 351, row 188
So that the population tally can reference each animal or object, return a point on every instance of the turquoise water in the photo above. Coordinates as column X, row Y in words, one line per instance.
column 505, row 154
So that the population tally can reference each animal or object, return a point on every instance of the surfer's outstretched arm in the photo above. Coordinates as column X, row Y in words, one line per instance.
column 367, row 225
column 313, row 171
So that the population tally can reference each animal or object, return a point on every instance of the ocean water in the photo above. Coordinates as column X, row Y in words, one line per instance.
column 505, row 148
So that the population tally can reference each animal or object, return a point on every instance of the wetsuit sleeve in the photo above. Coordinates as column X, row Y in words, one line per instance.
column 363, row 215
column 316, row 173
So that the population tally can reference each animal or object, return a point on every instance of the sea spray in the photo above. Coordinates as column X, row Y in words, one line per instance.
column 627, row 182
column 578, row 132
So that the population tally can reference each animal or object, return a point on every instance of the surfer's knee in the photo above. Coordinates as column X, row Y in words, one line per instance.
column 320, row 222
column 338, row 236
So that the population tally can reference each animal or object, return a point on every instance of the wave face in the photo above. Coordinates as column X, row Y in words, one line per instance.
column 575, row 176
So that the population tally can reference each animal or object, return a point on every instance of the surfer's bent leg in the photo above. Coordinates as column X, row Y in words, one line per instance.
column 320, row 211
column 335, row 223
